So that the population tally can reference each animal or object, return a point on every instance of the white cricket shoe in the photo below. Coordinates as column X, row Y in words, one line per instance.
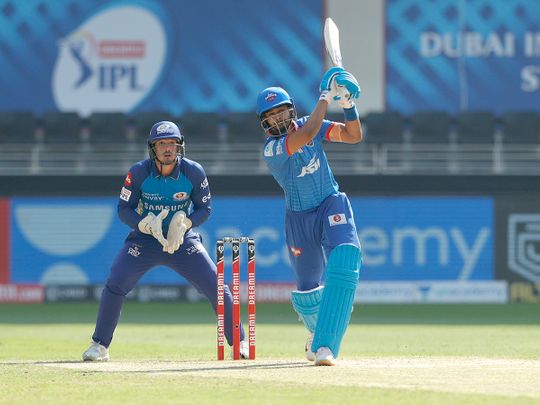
column 244, row 349
column 309, row 354
column 96, row 352
column 324, row 357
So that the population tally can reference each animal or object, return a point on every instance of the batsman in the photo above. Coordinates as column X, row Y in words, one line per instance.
column 163, row 198
column 319, row 225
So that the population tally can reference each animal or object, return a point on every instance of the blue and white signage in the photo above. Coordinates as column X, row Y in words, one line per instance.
column 74, row 241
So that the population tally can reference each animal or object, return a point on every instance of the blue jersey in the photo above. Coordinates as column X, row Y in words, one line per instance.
column 304, row 175
column 146, row 190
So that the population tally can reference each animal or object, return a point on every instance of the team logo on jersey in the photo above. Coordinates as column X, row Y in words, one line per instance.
column 127, row 181
column 311, row 167
column 180, row 196
column 337, row 219
column 295, row 251
column 125, row 194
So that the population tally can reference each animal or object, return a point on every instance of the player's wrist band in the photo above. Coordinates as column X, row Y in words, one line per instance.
column 351, row 114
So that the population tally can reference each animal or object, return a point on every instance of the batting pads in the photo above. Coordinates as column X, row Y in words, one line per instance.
column 306, row 304
column 337, row 300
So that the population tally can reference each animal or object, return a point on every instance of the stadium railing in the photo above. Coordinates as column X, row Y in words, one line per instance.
column 224, row 153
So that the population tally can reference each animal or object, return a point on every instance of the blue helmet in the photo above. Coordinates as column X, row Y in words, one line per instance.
column 272, row 97
column 165, row 130
column 280, row 124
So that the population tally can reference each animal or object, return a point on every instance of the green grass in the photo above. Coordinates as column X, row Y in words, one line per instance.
column 165, row 353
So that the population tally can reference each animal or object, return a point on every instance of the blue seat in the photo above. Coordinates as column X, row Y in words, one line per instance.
column 475, row 127
column 383, row 127
column 17, row 127
column 521, row 127
column 430, row 126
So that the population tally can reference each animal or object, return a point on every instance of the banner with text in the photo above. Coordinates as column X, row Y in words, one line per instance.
column 122, row 55
column 73, row 241
column 463, row 55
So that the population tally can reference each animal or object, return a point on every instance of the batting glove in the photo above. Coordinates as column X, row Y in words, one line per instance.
column 177, row 229
column 153, row 225
column 347, row 80
column 328, row 86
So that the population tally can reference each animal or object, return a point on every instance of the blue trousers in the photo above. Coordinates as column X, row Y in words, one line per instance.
column 140, row 254
column 311, row 235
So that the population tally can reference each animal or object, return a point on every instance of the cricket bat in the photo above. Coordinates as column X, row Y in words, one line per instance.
column 331, row 40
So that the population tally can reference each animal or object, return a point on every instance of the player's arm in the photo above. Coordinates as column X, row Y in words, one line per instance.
column 200, row 195
column 304, row 134
column 349, row 132
column 129, row 197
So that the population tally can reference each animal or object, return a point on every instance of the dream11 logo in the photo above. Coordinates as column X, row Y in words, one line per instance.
column 524, row 245
column 106, row 65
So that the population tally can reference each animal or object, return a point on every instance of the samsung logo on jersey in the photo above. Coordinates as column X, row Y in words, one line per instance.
column 172, row 208
column 311, row 167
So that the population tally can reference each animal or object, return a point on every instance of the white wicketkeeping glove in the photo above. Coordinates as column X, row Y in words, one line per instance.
column 177, row 229
column 152, row 225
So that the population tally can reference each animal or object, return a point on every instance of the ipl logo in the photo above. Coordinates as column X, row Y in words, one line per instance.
column 104, row 65
column 524, row 245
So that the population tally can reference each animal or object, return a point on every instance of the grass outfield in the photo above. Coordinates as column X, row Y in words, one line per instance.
column 165, row 353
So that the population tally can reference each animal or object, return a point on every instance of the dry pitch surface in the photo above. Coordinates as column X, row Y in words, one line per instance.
column 467, row 375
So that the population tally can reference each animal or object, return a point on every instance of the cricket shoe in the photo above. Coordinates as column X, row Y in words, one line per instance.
column 309, row 354
column 324, row 357
column 96, row 352
column 244, row 350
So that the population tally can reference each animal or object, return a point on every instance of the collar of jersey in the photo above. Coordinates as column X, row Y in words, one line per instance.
column 174, row 174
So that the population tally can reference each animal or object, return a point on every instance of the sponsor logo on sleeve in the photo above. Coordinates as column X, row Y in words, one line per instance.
column 204, row 183
column 337, row 219
column 125, row 194
column 269, row 148
column 206, row 198
column 128, row 180
column 296, row 251
column 134, row 250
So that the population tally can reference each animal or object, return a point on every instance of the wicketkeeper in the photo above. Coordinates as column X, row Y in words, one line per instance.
column 162, row 199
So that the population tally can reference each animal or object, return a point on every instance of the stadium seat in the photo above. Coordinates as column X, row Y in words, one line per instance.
column 244, row 127
column 475, row 127
column 430, row 127
column 61, row 127
column 521, row 127
column 17, row 127
column 201, row 127
column 107, row 127
column 383, row 127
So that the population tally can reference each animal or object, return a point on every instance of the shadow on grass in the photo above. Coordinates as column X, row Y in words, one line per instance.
column 175, row 313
